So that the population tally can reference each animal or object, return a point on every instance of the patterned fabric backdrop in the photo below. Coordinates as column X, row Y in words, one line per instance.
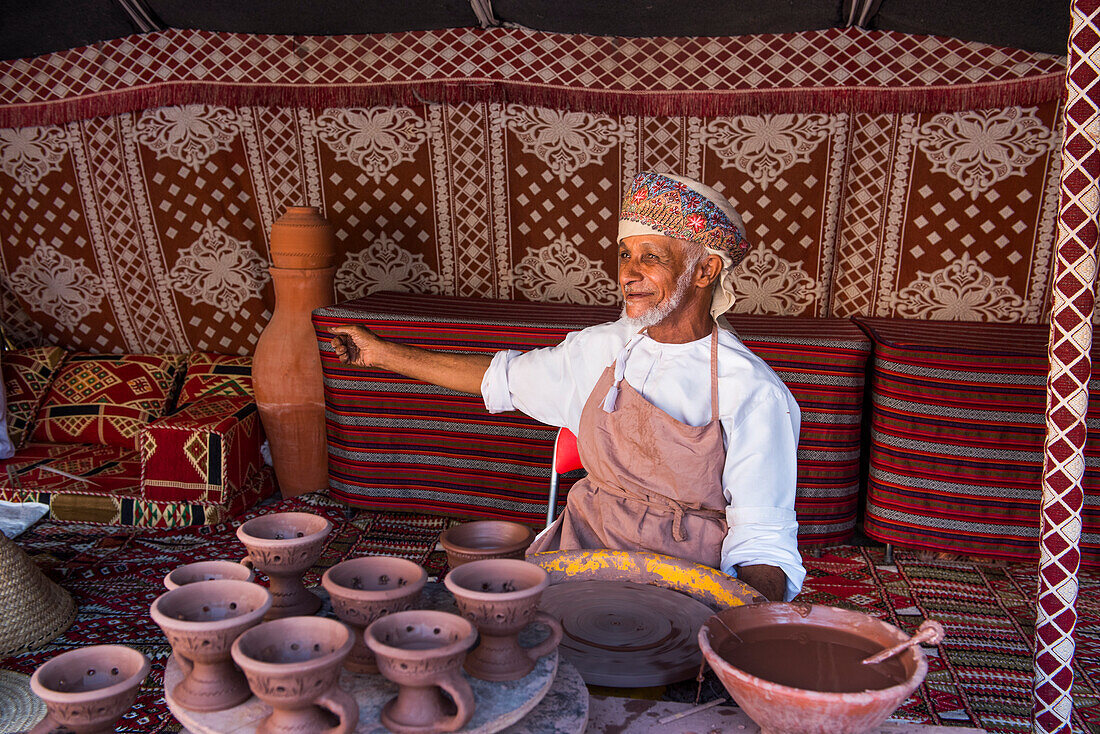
column 147, row 230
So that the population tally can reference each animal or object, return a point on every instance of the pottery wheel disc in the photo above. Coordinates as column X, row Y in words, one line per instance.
column 627, row 635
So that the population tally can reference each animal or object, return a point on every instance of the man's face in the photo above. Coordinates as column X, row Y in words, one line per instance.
column 653, row 276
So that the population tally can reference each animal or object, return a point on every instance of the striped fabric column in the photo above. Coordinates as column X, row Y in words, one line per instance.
column 1067, row 388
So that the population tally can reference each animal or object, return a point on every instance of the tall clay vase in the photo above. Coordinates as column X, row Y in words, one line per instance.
column 87, row 690
column 286, row 368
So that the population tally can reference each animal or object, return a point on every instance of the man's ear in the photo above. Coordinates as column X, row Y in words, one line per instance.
column 711, row 269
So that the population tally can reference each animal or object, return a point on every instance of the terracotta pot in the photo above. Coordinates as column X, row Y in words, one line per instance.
column 284, row 545
column 364, row 589
column 422, row 652
column 483, row 539
column 208, row 571
column 201, row 621
column 87, row 690
column 286, row 366
column 801, row 643
column 293, row 665
column 501, row 597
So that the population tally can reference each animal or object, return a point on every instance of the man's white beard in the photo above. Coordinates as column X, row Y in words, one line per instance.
column 661, row 311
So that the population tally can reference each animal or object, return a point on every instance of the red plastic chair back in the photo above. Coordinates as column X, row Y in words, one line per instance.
column 566, row 456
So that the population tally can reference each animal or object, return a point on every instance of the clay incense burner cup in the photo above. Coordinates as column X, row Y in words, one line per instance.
column 293, row 665
column 364, row 589
column 87, row 690
column 422, row 652
column 201, row 621
column 284, row 545
column 807, row 676
column 501, row 597
column 208, row 571
column 483, row 539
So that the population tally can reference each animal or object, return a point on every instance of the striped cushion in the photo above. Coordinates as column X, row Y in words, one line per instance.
column 397, row 444
column 957, row 438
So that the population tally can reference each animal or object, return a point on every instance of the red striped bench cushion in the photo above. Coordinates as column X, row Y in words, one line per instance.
column 958, row 425
column 397, row 444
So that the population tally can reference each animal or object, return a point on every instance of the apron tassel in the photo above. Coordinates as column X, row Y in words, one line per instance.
column 611, row 399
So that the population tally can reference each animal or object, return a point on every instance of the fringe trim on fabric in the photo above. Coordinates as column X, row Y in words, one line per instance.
column 873, row 100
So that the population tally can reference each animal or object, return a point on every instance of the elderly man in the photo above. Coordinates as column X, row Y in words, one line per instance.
column 689, row 438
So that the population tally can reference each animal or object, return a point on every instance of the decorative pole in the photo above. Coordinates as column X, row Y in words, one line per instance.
column 286, row 369
column 1068, row 382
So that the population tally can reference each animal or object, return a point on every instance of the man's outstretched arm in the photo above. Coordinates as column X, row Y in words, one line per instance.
column 360, row 346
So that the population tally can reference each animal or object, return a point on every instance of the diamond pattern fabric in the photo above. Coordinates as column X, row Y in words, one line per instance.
column 215, row 375
column 27, row 374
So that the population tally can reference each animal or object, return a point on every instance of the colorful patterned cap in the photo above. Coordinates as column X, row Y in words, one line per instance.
column 674, row 206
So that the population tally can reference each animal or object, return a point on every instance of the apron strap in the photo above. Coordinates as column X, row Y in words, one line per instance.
column 662, row 502
column 714, row 374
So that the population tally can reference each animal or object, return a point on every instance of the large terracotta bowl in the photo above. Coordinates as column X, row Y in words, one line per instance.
column 786, row 709
column 87, row 690
column 484, row 539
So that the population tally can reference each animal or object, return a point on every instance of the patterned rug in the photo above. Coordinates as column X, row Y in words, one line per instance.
column 979, row 677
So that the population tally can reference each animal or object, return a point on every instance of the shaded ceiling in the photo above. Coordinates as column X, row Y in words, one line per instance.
column 35, row 27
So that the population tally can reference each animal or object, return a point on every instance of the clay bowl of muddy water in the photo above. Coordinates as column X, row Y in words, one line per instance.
column 485, row 539
column 796, row 668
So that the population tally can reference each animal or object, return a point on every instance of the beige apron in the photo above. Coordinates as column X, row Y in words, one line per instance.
column 653, row 484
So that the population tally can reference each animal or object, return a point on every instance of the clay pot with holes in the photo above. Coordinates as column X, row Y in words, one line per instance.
column 89, row 689
column 422, row 652
column 484, row 539
column 207, row 571
column 293, row 665
column 284, row 545
column 501, row 597
column 201, row 621
column 365, row 589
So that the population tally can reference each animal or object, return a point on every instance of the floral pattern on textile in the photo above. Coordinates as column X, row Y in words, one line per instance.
column 385, row 266
column 763, row 147
column 560, row 272
column 766, row 283
column 189, row 134
column 219, row 270
column 961, row 291
column 375, row 139
column 564, row 141
column 978, row 148
column 57, row 285
column 27, row 154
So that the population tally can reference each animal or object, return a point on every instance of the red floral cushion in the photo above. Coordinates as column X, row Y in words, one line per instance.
column 106, row 399
column 216, row 375
column 27, row 374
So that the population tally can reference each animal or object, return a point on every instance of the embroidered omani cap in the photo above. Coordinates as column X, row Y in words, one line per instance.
column 674, row 206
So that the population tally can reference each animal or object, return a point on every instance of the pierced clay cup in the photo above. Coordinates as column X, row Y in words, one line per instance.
column 293, row 665
column 501, row 597
column 201, row 621
column 87, row 690
column 364, row 589
column 208, row 571
column 483, row 539
column 284, row 545
column 422, row 651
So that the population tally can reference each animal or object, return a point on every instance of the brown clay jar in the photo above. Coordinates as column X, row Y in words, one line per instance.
column 422, row 652
column 87, row 690
column 207, row 571
column 364, row 589
column 284, row 545
column 201, row 621
column 293, row 665
column 483, row 539
column 500, row 597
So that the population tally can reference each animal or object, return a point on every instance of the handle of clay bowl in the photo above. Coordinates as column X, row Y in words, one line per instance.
column 343, row 706
column 247, row 563
column 463, row 696
column 46, row 726
column 551, row 642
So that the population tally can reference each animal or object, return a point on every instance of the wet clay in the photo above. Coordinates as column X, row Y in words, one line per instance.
column 810, row 658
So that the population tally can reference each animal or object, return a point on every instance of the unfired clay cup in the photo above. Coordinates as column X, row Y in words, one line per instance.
column 501, row 597
column 422, row 652
column 201, row 621
column 284, row 545
column 483, row 539
column 208, row 571
column 293, row 665
column 364, row 589
column 87, row 690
